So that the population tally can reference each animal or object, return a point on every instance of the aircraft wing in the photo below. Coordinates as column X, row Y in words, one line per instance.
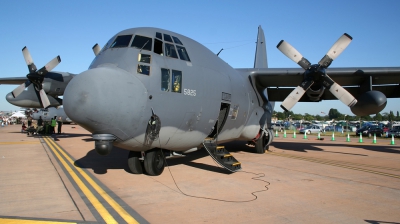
column 13, row 80
column 280, row 82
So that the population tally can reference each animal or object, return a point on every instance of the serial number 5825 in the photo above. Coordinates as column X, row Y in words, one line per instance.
column 189, row 92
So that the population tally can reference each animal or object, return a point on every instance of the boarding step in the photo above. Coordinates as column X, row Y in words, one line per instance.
column 222, row 156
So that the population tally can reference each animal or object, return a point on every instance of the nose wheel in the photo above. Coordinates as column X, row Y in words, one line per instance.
column 134, row 163
column 153, row 163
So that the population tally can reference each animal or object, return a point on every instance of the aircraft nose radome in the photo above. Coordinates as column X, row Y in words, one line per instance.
column 106, row 101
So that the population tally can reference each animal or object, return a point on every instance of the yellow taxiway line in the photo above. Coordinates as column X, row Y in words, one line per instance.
column 99, row 207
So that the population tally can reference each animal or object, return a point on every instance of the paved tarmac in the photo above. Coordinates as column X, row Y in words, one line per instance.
column 62, row 179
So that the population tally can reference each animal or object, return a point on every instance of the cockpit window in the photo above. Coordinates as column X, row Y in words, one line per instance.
column 145, row 58
column 158, row 35
column 176, row 40
column 167, row 38
column 143, row 43
column 176, row 81
column 121, row 41
column 170, row 50
column 165, row 79
column 143, row 69
column 158, row 47
column 183, row 55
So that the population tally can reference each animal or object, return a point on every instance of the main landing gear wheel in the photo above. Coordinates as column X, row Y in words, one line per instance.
column 263, row 142
column 154, row 162
column 134, row 164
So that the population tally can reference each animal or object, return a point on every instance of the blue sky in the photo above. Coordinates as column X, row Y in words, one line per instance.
column 71, row 28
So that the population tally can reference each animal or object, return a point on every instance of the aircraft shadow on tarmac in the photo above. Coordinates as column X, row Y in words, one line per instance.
column 314, row 146
column 117, row 160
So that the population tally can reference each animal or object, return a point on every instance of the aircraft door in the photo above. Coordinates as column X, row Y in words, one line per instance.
column 219, row 124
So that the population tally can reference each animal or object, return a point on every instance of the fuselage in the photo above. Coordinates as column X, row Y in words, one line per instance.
column 142, row 71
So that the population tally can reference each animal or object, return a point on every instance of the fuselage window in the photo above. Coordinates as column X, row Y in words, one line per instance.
column 143, row 43
column 170, row 51
column 176, row 81
column 158, row 35
column 158, row 46
column 176, row 40
column 165, row 80
column 145, row 58
column 183, row 55
column 143, row 69
column 167, row 38
column 121, row 41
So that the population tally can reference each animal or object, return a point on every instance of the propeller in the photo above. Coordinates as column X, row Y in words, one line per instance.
column 316, row 73
column 36, row 77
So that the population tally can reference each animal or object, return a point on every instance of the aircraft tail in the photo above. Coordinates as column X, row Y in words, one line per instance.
column 260, row 60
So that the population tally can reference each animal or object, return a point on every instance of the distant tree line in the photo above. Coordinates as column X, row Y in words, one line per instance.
column 335, row 114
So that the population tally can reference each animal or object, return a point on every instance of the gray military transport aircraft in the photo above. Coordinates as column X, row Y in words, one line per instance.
column 157, row 94
column 48, row 113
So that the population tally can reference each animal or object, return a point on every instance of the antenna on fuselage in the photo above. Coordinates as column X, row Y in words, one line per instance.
column 220, row 51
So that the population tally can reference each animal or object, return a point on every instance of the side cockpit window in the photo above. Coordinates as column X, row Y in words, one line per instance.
column 165, row 79
column 176, row 81
column 144, row 64
column 143, row 43
column 121, row 41
column 168, row 83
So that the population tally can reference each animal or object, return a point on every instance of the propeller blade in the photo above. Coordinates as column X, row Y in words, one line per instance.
column 343, row 95
column 29, row 60
column 293, row 54
column 96, row 49
column 295, row 95
column 20, row 88
column 337, row 48
column 49, row 66
column 44, row 99
column 339, row 92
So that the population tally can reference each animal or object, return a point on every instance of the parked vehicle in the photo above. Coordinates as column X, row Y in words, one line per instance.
column 311, row 129
column 329, row 128
column 278, row 127
column 395, row 131
column 370, row 131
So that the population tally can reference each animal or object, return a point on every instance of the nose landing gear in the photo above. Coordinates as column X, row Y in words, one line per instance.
column 152, row 163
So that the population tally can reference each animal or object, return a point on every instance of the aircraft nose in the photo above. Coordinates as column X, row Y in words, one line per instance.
column 106, row 101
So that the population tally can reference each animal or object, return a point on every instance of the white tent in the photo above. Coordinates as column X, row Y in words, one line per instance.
column 18, row 114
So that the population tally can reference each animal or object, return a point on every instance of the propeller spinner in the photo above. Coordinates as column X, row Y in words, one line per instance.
column 317, row 72
column 36, row 77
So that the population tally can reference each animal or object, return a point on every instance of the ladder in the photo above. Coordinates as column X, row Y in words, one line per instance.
column 221, row 155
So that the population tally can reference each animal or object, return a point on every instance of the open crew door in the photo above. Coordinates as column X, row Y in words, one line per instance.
column 219, row 153
column 219, row 124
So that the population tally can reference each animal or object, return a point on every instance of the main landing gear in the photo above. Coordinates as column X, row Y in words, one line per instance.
column 152, row 164
column 263, row 142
